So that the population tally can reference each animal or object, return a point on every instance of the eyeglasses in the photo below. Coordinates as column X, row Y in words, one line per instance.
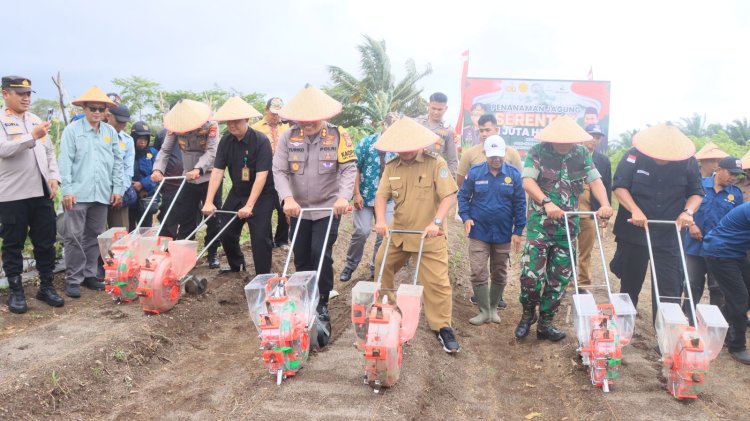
column 96, row 109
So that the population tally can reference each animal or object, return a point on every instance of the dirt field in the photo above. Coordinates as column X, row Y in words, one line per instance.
column 93, row 359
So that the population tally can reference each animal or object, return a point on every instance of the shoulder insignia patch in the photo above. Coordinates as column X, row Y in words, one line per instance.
column 443, row 172
column 431, row 154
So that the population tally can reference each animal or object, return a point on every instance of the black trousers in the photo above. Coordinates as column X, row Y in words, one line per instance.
column 733, row 277
column 258, row 224
column 188, row 208
column 630, row 263
column 697, row 274
column 169, row 227
column 308, row 248
column 282, row 227
column 135, row 214
column 36, row 218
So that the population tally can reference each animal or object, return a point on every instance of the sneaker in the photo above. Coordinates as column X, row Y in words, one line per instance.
column 93, row 283
column 213, row 261
column 448, row 340
column 73, row 290
column 346, row 274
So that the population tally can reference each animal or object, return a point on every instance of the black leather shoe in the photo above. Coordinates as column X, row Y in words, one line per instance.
column 93, row 283
column 741, row 356
column 73, row 290
column 346, row 274
column 213, row 261
column 16, row 297
column 48, row 294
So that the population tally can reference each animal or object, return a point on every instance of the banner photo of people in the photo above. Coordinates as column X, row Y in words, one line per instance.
column 523, row 107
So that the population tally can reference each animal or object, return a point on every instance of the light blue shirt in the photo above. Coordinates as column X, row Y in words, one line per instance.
column 127, row 146
column 91, row 163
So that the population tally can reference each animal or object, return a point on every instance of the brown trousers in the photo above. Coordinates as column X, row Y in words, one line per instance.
column 433, row 275
column 498, row 256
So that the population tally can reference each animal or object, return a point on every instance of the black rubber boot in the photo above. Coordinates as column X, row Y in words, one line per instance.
column 546, row 330
column 16, row 299
column 527, row 319
column 48, row 294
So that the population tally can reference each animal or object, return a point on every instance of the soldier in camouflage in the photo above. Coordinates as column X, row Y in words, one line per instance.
column 554, row 174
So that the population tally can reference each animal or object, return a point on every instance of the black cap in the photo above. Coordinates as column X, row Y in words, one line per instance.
column 731, row 164
column 140, row 129
column 594, row 129
column 121, row 113
column 19, row 84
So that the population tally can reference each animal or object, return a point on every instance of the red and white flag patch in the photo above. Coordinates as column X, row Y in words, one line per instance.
column 631, row 159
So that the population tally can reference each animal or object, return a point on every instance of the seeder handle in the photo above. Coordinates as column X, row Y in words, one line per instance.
column 325, row 240
column 156, row 194
column 419, row 253
column 218, row 235
column 601, row 249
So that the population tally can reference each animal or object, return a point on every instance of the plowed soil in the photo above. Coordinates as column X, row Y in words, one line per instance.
column 93, row 359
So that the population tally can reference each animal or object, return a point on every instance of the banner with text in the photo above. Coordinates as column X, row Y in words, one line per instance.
column 525, row 106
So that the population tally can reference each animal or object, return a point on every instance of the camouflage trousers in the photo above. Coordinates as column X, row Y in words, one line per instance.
column 545, row 271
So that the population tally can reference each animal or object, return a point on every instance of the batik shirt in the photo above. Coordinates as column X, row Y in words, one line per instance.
column 368, row 164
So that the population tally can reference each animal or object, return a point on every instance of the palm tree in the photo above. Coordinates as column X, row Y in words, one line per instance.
column 368, row 100
column 739, row 131
column 626, row 139
column 694, row 125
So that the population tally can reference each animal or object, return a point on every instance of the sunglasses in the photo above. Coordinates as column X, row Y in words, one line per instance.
column 97, row 109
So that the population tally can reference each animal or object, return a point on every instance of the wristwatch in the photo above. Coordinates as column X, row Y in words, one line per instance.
column 689, row 212
column 546, row 200
column 438, row 221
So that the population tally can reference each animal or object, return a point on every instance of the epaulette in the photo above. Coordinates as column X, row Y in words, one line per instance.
column 431, row 154
column 391, row 159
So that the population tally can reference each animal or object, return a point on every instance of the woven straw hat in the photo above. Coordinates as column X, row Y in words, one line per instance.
column 236, row 108
column 665, row 142
column 563, row 129
column 310, row 104
column 746, row 161
column 710, row 151
column 187, row 115
column 94, row 95
column 405, row 135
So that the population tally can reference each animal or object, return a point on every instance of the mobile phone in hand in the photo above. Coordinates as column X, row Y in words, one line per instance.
column 50, row 113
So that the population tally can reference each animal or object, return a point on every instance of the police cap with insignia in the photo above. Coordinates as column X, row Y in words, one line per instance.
column 19, row 84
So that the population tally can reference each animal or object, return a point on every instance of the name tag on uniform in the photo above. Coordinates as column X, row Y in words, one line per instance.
column 245, row 174
column 482, row 182
column 394, row 178
column 643, row 172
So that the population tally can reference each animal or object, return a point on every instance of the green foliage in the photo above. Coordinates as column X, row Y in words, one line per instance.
column 368, row 100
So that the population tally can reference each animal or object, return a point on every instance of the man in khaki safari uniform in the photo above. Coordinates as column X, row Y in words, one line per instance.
column 423, row 190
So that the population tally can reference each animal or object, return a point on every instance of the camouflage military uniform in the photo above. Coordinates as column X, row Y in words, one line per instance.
column 546, row 260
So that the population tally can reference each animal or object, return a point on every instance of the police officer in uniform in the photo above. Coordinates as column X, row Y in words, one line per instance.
column 29, row 180
column 445, row 145
column 553, row 176
column 658, row 179
column 314, row 167
column 189, row 127
column 420, row 184
column 247, row 155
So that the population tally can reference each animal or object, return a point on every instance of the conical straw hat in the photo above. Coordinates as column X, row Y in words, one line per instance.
column 563, row 129
column 710, row 151
column 310, row 104
column 236, row 108
column 94, row 95
column 665, row 142
column 187, row 115
column 746, row 161
column 406, row 135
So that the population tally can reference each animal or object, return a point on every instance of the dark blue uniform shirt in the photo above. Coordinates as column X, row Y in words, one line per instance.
column 496, row 204
column 713, row 208
column 731, row 238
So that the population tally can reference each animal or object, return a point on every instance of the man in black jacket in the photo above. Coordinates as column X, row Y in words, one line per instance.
column 587, row 202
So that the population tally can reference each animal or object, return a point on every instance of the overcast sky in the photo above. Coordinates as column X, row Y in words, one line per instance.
column 665, row 59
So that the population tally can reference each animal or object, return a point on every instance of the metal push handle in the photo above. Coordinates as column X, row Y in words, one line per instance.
column 294, row 238
column 684, row 265
column 218, row 235
column 388, row 244
column 155, row 195
column 601, row 250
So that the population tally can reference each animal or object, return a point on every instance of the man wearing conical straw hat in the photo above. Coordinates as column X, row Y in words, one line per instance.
column 421, row 186
column 189, row 128
column 246, row 154
column 92, row 177
column 314, row 167
column 659, row 179
column 554, row 174
column 708, row 158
